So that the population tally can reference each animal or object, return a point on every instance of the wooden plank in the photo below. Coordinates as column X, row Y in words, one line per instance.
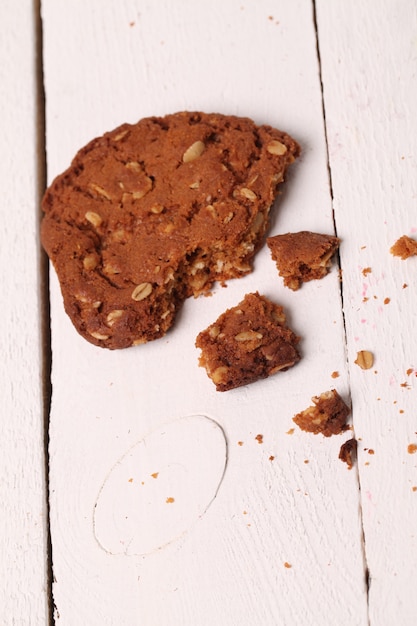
column 282, row 541
column 369, row 61
column 23, row 528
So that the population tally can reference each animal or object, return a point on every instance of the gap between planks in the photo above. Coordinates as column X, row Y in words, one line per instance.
column 339, row 264
column 41, row 177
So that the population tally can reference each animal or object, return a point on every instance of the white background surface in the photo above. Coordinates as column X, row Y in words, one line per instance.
column 128, row 430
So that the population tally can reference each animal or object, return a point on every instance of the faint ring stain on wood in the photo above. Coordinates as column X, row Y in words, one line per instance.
column 160, row 487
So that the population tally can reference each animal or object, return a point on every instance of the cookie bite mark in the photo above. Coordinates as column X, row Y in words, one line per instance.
column 246, row 343
column 155, row 212
column 302, row 256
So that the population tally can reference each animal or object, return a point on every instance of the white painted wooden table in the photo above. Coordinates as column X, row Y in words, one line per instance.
column 159, row 505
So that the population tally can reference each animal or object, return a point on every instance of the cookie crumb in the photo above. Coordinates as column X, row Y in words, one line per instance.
column 366, row 271
column 404, row 247
column 412, row 448
column 259, row 438
column 348, row 452
column 335, row 374
column 170, row 500
column 287, row 565
column 327, row 415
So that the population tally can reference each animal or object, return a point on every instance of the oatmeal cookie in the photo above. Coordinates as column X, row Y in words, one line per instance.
column 154, row 212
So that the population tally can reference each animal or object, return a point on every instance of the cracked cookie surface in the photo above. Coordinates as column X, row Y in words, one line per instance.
column 155, row 212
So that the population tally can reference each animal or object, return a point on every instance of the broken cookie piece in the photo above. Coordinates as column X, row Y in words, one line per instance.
column 303, row 256
column 404, row 247
column 348, row 451
column 247, row 342
column 327, row 416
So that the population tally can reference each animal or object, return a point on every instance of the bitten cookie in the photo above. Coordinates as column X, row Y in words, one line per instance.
column 302, row 256
column 152, row 213
column 247, row 342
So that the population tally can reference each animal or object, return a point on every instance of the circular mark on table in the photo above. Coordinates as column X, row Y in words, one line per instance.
column 156, row 491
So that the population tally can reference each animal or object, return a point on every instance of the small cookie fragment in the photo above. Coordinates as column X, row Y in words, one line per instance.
column 404, row 247
column 247, row 342
column 348, row 452
column 302, row 256
column 327, row 415
column 158, row 211
column 364, row 359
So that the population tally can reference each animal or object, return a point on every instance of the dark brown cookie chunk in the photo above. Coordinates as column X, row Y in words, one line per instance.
column 155, row 212
column 247, row 342
column 404, row 247
column 327, row 415
column 302, row 256
column 348, row 451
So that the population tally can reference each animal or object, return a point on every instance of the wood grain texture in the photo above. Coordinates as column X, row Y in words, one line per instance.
column 369, row 62
column 287, row 501
column 23, row 532
column 281, row 543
